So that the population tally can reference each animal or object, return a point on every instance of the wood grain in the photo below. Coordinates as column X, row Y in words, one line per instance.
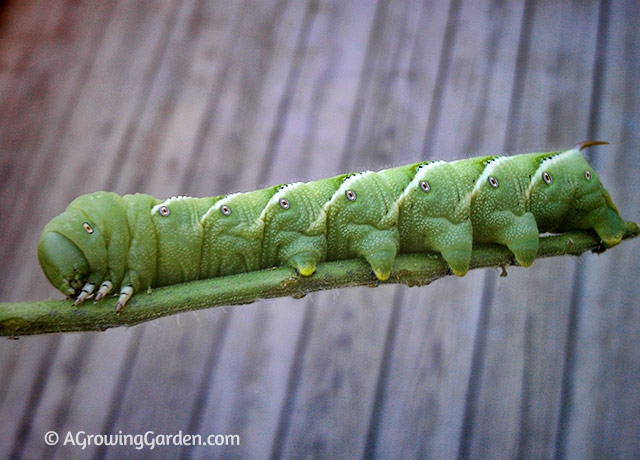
column 201, row 97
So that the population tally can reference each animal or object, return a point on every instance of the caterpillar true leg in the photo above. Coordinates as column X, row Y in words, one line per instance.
column 86, row 292
column 105, row 288
column 125, row 295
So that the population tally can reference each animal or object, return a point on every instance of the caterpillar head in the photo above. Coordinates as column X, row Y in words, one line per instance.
column 73, row 246
column 62, row 261
column 565, row 184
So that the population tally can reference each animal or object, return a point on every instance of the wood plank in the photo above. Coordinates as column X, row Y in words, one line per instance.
column 86, row 112
column 427, row 389
column 249, row 344
column 229, row 409
column 22, row 387
column 602, row 398
column 514, row 410
column 70, row 399
column 333, row 397
column 41, row 94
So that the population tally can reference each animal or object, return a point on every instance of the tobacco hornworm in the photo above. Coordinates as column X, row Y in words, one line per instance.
column 134, row 242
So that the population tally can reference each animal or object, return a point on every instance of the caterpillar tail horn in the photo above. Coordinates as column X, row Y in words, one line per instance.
column 586, row 144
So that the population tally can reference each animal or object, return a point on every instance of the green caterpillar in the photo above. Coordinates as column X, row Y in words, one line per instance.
column 131, row 243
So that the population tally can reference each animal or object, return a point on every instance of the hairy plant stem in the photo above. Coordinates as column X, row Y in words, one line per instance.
column 49, row 316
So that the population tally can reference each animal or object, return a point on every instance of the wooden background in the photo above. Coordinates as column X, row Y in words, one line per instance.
column 206, row 97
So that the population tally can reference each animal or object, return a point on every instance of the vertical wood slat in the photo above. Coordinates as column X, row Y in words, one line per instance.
column 516, row 362
column 41, row 92
column 205, row 98
column 602, row 398
column 344, row 334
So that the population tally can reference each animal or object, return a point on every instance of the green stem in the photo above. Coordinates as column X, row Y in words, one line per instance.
column 47, row 316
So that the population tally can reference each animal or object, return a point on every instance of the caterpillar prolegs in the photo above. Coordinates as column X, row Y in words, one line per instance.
column 104, row 242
